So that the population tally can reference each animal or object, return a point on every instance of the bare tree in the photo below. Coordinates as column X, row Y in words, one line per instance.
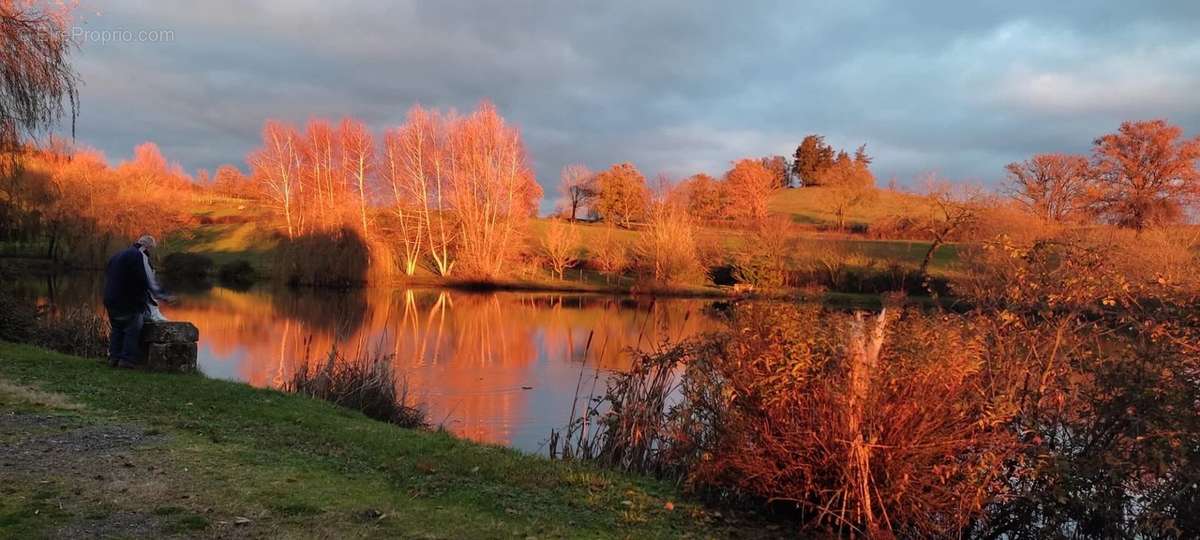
column 952, row 211
column 322, row 171
column 576, row 185
column 277, row 166
column 423, row 181
column 666, row 252
column 35, row 75
column 493, row 191
column 358, row 159
column 408, row 209
column 1055, row 187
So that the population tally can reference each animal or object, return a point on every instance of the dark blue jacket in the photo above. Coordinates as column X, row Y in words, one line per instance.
column 125, row 283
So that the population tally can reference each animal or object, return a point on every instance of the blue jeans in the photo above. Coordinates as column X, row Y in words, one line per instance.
column 125, row 331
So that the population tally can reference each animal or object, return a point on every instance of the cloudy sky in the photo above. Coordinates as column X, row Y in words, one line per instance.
column 958, row 88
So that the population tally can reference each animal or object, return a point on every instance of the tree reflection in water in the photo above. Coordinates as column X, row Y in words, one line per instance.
column 494, row 367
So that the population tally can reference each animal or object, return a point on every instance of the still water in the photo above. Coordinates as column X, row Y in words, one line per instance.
column 494, row 367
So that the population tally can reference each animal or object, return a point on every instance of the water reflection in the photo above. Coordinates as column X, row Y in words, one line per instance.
column 495, row 367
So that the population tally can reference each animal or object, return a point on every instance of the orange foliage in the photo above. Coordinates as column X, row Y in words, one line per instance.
column 1146, row 173
column 750, row 186
column 621, row 194
column 71, row 200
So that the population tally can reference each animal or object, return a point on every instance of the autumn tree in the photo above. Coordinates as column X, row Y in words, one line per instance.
column 812, row 157
column 358, row 160
column 149, row 170
column 37, row 82
column 230, row 182
column 1055, row 187
column 576, row 185
column 780, row 169
column 848, row 184
column 1146, row 174
column 750, row 186
column 861, row 156
column 621, row 194
column 704, row 197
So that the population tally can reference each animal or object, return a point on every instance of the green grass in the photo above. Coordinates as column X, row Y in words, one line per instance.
column 305, row 468
column 228, row 230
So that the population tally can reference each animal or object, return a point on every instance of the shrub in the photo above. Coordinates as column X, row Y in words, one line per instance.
column 819, row 411
column 18, row 318
column 610, row 256
column 560, row 246
column 762, row 261
column 665, row 252
column 77, row 330
column 238, row 274
column 899, row 228
column 338, row 259
column 187, row 266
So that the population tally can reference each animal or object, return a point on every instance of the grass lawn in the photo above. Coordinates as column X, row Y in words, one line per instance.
column 229, row 230
column 86, row 450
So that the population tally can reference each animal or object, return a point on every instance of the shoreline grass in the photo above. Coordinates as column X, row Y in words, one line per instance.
column 234, row 451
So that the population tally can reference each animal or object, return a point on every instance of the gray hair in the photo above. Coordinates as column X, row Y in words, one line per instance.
column 147, row 242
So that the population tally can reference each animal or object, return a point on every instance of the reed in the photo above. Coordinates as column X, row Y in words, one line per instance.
column 367, row 383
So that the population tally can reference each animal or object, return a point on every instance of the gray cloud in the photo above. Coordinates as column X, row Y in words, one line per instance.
column 681, row 87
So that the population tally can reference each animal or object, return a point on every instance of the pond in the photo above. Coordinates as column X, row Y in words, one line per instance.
column 498, row 367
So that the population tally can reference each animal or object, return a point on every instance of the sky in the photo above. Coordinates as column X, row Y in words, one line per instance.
column 954, row 88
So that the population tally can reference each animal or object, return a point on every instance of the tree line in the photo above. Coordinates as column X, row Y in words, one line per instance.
column 621, row 195
column 453, row 189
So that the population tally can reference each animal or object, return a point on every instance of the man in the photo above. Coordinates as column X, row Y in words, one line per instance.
column 129, row 284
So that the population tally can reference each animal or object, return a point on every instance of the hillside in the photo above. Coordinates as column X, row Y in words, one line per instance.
column 810, row 206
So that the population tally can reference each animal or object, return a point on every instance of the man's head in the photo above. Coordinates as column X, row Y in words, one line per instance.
column 147, row 242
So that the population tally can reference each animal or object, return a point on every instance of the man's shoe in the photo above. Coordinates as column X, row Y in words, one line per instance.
column 112, row 361
column 126, row 365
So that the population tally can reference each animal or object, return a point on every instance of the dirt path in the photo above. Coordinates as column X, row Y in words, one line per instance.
column 66, row 476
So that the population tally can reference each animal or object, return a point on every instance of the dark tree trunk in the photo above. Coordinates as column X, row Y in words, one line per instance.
column 937, row 242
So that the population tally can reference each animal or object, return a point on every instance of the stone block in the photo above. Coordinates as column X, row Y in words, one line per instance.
column 170, row 332
column 169, row 346
column 173, row 357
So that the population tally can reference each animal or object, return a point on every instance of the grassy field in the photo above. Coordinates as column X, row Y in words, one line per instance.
column 92, row 451
column 229, row 230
